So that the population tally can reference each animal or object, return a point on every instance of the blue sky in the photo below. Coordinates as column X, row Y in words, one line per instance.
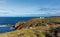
column 29, row 8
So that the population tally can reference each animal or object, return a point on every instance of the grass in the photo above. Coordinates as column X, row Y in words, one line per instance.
column 23, row 33
column 35, row 32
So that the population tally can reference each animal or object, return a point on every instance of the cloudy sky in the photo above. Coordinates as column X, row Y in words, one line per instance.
column 29, row 8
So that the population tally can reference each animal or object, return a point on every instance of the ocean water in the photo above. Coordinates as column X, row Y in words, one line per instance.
column 5, row 29
column 12, row 21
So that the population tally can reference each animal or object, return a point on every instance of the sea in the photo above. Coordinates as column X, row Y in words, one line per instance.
column 11, row 21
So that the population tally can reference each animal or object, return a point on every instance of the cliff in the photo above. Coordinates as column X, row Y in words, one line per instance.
column 38, row 22
column 37, row 27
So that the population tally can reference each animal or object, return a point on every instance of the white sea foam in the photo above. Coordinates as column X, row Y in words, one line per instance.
column 3, row 26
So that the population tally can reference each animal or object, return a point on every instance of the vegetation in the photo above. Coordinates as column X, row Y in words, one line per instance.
column 46, row 27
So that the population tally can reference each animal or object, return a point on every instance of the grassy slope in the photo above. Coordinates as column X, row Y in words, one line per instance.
column 39, row 28
column 23, row 33
column 34, row 32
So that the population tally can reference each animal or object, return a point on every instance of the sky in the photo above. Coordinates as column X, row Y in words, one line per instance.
column 24, row 8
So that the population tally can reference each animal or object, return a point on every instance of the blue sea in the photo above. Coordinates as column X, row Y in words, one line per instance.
column 12, row 21
column 5, row 29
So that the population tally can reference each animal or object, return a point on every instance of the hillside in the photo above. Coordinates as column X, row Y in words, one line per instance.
column 37, row 27
column 38, row 22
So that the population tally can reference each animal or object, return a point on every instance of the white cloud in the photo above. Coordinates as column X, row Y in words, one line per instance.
column 49, row 10
column 30, row 11
column 6, row 12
